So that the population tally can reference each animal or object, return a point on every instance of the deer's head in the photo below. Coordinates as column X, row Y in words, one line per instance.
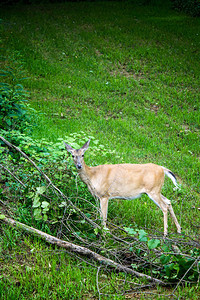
column 78, row 154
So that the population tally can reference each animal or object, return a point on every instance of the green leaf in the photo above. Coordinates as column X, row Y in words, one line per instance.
column 131, row 231
column 44, row 204
column 96, row 142
column 41, row 190
column 166, row 248
column 165, row 259
column 168, row 269
column 8, row 121
column 31, row 195
column 88, row 215
column 142, row 236
column 176, row 267
column 2, row 216
column 78, row 233
column 63, row 204
column 96, row 230
column 134, row 266
column 105, row 229
column 21, row 111
column 36, row 202
column 37, row 214
column 152, row 244
column 45, row 217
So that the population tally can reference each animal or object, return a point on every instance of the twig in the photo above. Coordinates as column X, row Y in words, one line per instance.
column 13, row 175
column 2, row 203
column 97, row 281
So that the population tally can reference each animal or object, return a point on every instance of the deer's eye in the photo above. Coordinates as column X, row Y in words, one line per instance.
column 72, row 156
column 83, row 155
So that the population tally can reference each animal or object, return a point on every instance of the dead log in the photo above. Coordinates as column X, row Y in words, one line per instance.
column 78, row 249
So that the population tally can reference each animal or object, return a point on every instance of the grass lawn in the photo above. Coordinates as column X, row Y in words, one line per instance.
column 125, row 73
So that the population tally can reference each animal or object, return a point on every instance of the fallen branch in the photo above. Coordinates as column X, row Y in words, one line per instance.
column 79, row 249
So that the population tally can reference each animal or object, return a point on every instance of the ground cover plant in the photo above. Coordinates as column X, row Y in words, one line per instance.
column 126, row 76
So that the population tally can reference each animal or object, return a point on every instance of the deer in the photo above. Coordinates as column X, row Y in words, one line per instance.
column 125, row 181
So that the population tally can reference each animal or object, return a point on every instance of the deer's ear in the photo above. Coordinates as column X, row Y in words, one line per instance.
column 86, row 145
column 68, row 147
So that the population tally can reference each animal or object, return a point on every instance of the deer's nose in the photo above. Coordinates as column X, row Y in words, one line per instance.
column 79, row 166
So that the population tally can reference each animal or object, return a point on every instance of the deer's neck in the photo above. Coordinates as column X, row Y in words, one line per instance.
column 86, row 175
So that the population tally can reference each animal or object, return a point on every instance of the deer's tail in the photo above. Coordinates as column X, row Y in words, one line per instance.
column 171, row 175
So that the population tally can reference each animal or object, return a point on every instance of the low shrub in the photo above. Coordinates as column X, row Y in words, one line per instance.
column 16, row 114
column 191, row 7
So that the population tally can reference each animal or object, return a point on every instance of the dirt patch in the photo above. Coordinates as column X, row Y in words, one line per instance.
column 122, row 71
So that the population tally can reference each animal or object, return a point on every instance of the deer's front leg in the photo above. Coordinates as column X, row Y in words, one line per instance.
column 104, row 209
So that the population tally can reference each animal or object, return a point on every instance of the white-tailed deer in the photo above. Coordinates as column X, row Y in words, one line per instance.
column 126, row 181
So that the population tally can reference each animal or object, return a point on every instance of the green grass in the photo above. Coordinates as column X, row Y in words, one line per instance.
column 125, row 73
column 45, row 273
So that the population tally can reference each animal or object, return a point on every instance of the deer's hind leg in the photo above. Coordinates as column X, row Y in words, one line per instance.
column 160, row 202
column 172, row 213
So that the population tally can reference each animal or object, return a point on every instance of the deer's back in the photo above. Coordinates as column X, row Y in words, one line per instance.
column 125, row 180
